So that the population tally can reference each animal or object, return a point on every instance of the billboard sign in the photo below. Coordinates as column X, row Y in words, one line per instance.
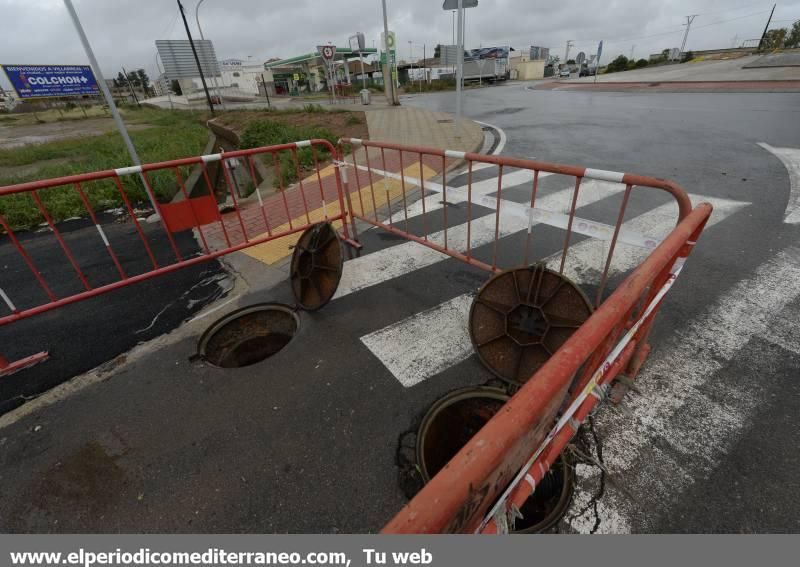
column 48, row 81
column 179, row 62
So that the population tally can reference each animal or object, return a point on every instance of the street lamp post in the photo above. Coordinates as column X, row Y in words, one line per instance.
column 213, row 77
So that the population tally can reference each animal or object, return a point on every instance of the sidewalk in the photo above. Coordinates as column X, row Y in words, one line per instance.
column 316, row 196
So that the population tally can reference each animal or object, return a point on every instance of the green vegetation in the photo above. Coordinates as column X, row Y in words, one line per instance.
column 170, row 135
column 269, row 132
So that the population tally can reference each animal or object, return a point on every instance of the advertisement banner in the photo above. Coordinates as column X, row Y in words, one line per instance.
column 47, row 81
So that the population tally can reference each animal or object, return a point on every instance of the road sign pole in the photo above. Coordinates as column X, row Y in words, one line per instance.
column 109, row 99
column 391, row 91
column 459, row 62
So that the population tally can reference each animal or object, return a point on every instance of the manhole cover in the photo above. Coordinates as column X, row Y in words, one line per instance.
column 316, row 266
column 521, row 317
column 248, row 335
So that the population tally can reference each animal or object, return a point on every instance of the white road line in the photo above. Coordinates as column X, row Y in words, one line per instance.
column 790, row 157
column 439, row 336
column 402, row 259
column 675, row 409
column 585, row 260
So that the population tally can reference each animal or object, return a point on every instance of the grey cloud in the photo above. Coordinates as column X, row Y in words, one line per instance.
column 123, row 32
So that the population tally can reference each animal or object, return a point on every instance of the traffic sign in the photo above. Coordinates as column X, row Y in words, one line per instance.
column 580, row 58
column 327, row 52
column 389, row 46
column 453, row 4
column 296, row 76
column 599, row 51
column 43, row 81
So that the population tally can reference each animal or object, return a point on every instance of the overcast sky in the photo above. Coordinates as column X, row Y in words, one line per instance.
column 123, row 32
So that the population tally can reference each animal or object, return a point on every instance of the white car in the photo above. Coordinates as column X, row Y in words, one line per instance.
column 564, row 72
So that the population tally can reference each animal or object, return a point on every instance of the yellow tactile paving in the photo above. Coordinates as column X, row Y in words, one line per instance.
column 275, row 250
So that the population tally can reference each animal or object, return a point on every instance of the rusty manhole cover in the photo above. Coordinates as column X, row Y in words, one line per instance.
column 316, row 266
column 520, row 317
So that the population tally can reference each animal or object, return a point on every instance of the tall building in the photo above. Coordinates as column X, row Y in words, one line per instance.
column 537, row 53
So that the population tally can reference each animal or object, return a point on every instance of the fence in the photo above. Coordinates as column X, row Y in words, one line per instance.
column 155, row 251
column 503, row 462
column 481, row 487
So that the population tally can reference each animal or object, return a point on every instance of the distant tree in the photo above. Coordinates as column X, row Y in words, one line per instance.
column 120, row 80
column 641, row 63
column 553, row 60
column 793, row 39
column 618, row 64
column 437, row 51
column 144, row 80
column 688, row 56
column 775, row 39
column 570, row 62
column 176, row 87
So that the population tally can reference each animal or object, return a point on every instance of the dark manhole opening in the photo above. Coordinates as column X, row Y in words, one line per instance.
column 549, row 502
column 451, row 422
column 454, row 419
column 248, row 335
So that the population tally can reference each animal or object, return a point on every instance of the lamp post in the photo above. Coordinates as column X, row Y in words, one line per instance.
column 213, row 77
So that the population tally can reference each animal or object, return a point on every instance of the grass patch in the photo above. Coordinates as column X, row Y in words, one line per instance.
column 172, row 135
column 270, row 132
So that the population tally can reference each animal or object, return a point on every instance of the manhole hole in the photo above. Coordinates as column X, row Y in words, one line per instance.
column 521, row 317
column 451, row 422
column 248, row 335
column 549, row 502
column 454, row 419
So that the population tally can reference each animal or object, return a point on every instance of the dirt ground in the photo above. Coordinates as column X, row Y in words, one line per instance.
column 336, row 122
column 14, row 135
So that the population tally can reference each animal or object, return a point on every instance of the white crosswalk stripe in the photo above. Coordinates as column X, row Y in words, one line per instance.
column 674, row 415
column 424, row 344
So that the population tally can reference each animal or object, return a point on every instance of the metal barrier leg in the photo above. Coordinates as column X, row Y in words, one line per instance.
column 8, row 368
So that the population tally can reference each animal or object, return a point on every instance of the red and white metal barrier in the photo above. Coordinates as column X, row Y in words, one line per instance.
column 482, row 487
column 282, row 214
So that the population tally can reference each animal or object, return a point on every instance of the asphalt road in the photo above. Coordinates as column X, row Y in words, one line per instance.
column 307, row 441
column 86, row 334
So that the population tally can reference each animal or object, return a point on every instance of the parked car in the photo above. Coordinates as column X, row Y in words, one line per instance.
column 587, row 72
column 564, row 72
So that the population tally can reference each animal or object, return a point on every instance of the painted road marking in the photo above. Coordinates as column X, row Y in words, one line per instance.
column 438, row 336
column 674, row 409
column 396, row 261
column 790, row 157
column 275, row 250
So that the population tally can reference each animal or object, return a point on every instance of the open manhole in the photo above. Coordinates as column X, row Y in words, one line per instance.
column 454, row 419
column 248, row 335
column 451, row 422
column 520, row 317
column 550, row 501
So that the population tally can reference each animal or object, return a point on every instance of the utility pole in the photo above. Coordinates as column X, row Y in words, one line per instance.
column 632, row 47
column 169, row 87
column 196, row 59
column 454, row 36
column 130, row 87
column 213, row 77
column 764, row 35
column 98, row 73
column 266, row 92
column 689, row 20
column 570, row 43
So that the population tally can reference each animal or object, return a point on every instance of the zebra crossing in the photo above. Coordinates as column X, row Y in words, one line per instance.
column 424, row 344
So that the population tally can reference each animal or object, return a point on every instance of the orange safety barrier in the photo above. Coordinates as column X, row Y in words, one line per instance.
column 483, row 486
column 284, row 213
